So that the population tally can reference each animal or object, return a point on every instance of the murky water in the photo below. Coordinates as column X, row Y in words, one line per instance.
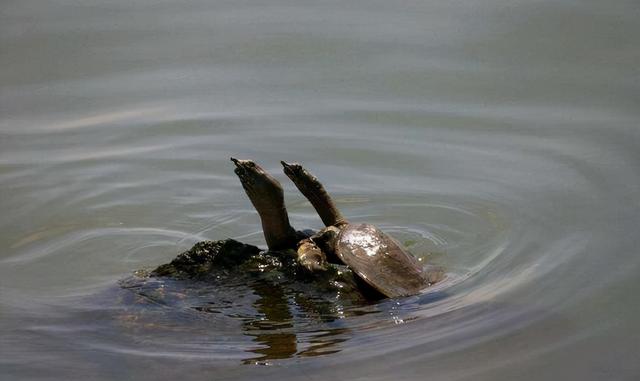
column 499, row 139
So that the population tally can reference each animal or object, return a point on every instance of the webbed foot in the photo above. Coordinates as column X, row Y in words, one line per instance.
column 264, row 191
column 304, row 180
column 314, row 191
column 267, row 197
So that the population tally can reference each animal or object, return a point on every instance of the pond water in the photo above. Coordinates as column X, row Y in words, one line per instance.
column 497, row 139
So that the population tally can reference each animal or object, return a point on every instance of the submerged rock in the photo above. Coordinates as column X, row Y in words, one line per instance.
column 230, row 259
column 207, row 257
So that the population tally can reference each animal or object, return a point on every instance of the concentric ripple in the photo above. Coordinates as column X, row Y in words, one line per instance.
column 499, row 143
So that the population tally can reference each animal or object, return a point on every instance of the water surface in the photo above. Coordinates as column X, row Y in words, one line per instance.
column 498, row 139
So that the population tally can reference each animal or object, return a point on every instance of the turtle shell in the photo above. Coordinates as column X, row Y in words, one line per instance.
column 380, row 260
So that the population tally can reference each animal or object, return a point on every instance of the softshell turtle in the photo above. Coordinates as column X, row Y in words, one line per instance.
column 375, row 257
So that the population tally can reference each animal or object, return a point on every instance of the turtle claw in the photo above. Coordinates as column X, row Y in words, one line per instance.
column 305, row 181
column 243, row 174
column 246, row 164
column 247, row 171
column 292, row 170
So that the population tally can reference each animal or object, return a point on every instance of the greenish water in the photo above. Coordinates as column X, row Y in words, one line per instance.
column 498, row 139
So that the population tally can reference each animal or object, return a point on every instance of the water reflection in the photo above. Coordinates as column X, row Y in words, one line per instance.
column 283, row 319
column 275, row 329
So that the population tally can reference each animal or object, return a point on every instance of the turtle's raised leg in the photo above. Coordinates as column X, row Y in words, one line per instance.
column 267, row 197
column 313, row 190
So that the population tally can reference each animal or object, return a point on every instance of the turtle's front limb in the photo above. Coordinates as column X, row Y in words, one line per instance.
column 267, row 197
column 313, row 190
column 310, row 256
